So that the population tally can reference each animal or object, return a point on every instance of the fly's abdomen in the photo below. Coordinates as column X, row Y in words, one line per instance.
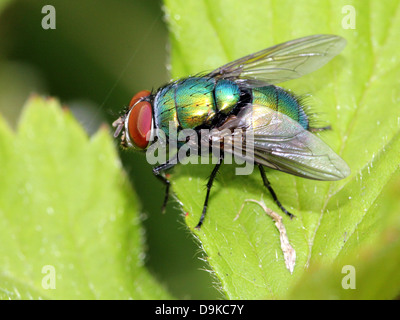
column 282, row 101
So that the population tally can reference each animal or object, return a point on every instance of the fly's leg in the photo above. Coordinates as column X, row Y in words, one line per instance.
column 157, row 172
column 273, row 194
column 209, row 185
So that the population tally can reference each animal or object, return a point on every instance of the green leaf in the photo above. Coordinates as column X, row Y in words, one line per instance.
column 375, row 263
column 357, row 93
column 69, row 223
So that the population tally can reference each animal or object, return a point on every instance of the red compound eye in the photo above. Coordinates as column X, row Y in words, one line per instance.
column 139, row 124
column 138, row 96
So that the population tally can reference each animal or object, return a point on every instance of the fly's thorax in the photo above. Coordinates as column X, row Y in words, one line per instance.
column 194, row 102
column 227, row 95
column 165, row 115
column 195, row 105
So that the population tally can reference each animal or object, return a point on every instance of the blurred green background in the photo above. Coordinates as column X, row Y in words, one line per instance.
column 100, row 54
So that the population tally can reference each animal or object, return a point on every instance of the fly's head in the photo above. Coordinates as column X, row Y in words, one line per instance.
column 136, row 125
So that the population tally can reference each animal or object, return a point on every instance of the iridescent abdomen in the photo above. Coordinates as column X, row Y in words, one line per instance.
column 282, row 101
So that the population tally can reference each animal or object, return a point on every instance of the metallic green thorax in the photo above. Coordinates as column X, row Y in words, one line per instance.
column 196, row 101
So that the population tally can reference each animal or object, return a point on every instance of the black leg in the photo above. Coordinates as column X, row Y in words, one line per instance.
column 157, row 172
column 273, row 194
column 209, row 185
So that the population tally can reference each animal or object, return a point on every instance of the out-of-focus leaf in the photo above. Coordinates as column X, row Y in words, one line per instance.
column 69, row 223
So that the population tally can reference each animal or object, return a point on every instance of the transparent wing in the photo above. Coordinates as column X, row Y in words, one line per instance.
column 285, row 61
column 277, row 141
